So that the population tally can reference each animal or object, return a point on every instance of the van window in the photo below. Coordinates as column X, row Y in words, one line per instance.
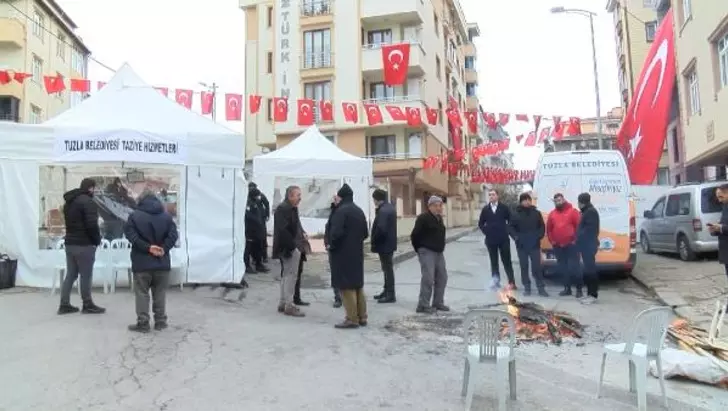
column 678, row 204
column 709, row 201
column 658, row 208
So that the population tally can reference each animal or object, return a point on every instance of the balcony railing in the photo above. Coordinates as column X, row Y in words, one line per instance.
column 393, row 99
column 312, row 8
column 413, row 42
column 317, row 60
column 395, row 156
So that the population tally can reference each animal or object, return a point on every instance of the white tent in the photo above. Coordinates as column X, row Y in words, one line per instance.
column 127, row 129
column 319, row 167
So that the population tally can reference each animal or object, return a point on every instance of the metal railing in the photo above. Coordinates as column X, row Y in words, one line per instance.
column 317, row 60
column 395, row 156
column 9, row 117
column 312, row 8
column 393, row 99
column 376, row 46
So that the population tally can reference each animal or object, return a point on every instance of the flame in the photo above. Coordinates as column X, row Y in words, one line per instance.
column 506, row 297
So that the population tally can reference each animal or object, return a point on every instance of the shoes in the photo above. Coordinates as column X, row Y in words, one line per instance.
column 542, row 292
column 92, row 308
column 67, row 309
column 363, row 323
column 387, row 299
column 262, row 269
column 346, row 324
column 424, row 310
column 495, row 283
column 527, row 292
column 160, row 325
column 588, row 300
column 293, row 311
column 250, row 270
column 337, row 303
column 579, row 293
column 140, row 327
column 566, row 291
column 512, row 286
column 441, row 307
column 301, row 303
column 380, row 295
column 281, row 308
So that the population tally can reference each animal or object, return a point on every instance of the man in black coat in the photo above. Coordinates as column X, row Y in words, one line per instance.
column 384, row 242
column 152, row 234
column 493, row 222
column 255, row 233
column 721, row 229
column 265, row 205
column 347, row 233
column 288, row 244
column 527, row 229
column 428, row 240
column 327, row 230
column 82, row 237
column 587, row 244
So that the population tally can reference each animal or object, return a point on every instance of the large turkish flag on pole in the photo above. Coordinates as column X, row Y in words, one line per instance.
column 642, row 135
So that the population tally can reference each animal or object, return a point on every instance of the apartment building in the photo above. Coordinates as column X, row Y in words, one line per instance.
column 331, row 50
column 37, row 37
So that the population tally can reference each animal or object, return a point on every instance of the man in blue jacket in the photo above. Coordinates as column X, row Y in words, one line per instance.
column 587, row 244
column 152, row 234
column 494, row 222
column 527, row 229
column 384, row 243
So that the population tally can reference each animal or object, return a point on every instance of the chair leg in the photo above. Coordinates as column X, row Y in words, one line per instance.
column 466, row 375
column 601, row 375
column 502, row 367
column 661, row 375
column 512, row 379
column 641, row 383
column 53, row 284
column 632, row 377
column 470, row 389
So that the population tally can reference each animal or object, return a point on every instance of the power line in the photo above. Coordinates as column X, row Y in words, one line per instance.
column 54, row 35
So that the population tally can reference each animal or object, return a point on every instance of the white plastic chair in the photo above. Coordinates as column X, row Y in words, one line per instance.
column 103, row 262
column 120, row 249
column 59, row 266
column 482, row 331
column 177, row 264
column 651, row 326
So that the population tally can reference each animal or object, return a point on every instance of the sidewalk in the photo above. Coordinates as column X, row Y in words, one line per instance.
column 690, row 288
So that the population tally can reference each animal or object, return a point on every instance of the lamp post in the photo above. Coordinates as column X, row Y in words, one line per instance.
column 591, row 15
column 212, row 88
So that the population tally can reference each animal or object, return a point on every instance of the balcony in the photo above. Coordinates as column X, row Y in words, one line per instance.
column 314, row 12
column 397, row 168
column 12, row 33
column 12, row 89
column 373, row 67
column 317, row 64
column 391, row 12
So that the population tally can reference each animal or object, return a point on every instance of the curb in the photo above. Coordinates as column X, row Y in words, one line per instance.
column 669, row 298
column 411, row 253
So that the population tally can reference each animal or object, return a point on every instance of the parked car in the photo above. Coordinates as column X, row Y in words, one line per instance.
column 677, row 221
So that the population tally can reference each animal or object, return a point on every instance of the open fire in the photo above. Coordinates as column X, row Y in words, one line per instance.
column 534, row 323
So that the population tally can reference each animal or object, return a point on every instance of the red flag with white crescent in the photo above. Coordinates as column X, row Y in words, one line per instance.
column 305, row 112
column 351, row 112
column 327, row 110
column 395, row 58
column 207, row 99
column 280, row 109
column 183, row 97
column 374, row 114
column 233, row 107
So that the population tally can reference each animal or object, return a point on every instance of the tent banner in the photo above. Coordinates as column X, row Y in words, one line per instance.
column 117, row 146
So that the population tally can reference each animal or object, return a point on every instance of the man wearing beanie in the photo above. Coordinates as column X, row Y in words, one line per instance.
column 527, row 229
column 587, row 243
column 347, row 233
column 82, row 237
column 428, row 240
column 384, row 242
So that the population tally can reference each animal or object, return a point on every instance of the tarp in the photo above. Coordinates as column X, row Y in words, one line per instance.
column 198, row 173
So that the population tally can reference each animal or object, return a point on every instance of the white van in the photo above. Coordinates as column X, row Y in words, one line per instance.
column 603, row 174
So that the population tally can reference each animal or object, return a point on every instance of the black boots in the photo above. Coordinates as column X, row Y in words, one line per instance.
column 386, row 297
column 140, row 327
column 91, row 308
column 67, row 309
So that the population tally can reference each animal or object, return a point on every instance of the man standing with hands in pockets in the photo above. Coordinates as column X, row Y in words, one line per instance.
column 493, row 223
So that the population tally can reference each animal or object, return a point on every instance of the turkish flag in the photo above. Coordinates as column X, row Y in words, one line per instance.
column 327, row 110
column 544, row 135
column 472, row 117
column 183, row 97
column 374, row 114
column 4, row 77
column 280, row 109
column 530, row 140
column 454, row 116
column 489, row 119
column 395, row 59
column 305, row 112
column 574, row 126
column 559, row 130
column 557, row 120
column 254, row 103
column 54, row 84
column 80, row 85
column 163, row 90
column 351, row 112
column 396, row 113
column 432, row 116
column 414, row 116
column 233, row 107
column 207, row 99
column 503, row 119
column 20, row 77
column 519, row 138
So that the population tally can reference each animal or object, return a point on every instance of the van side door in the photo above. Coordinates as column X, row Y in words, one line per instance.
column 678, row 218
column 652, row 226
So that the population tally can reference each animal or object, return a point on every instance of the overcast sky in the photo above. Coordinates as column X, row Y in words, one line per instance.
column 529, row 60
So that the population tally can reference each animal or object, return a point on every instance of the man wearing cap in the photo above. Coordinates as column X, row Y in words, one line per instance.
column 561, row 229
column 493, row 223
column 527, row 229
column 347, row 233
column 384, row 242
column 428, row 240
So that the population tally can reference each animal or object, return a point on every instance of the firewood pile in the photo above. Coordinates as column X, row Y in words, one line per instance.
column 706, row 343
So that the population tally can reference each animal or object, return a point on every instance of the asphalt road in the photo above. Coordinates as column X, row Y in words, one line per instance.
column 225, row 354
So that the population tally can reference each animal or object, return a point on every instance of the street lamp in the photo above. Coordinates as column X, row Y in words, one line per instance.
column 212, row 88
column 591, row 15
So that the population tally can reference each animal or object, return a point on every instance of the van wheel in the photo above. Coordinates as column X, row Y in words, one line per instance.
column 645, row 243
column 683, row 248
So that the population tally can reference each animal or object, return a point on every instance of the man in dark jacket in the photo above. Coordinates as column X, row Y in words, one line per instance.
column 528, row 228
column 327, row 230
column 561, row 228
column 82, row 237
column 347, row 233
column 265, row 205
column 287, row 248
column 384, row 242
column 493, row 222
column 255, row 233
column 721, row 229
column 428, row 240
column 152, row 234
column 587, row 243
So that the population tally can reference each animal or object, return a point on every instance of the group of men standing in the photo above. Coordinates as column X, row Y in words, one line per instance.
column 573, row 234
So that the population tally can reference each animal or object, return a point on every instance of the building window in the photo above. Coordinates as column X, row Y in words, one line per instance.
column 270, row 62
column 39, row 25
column 381, row 91
column 438, row 67
column 317, row 91
column 379, row 37
column 36, row 115
column 675, row 146
column 317, row 48
column 723, row 60
column 648, row 4
column 650, row 31
column 78, row 62
column 687, row 10
column 663, row 176
column 382, row 146
column 270, row 109
column 315, row 7
column 270, row 16
column 61, row 46
column 37, row 69
column 693, row 91
column 471, row 90
column 470, row 62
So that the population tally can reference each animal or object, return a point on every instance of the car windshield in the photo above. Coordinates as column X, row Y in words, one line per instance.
column 709, row 202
